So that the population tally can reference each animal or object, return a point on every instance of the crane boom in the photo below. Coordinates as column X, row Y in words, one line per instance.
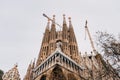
column 51, row 20
column 90, row 38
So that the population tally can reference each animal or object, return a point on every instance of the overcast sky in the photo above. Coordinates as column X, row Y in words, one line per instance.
column 22, row 25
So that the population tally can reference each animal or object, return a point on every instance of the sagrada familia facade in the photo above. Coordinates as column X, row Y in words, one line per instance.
column 60, row 59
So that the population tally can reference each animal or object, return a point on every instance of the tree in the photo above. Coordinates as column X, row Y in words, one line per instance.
column 1, row 74
column 110, row 47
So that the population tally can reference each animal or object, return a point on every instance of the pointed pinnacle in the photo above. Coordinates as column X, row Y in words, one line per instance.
column 64, row 21
column 69, row 19
column 70, row 23
column 53, row 18
column 47, row 27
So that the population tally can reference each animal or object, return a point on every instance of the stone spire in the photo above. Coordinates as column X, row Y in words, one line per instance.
column 12, row 74
column 44, row 47
column 29, row 74
column 73, row 43
column 70, row 23
column 53, row 29
column 64, row 20
column 65, row 28
column 46, row 34
column 52, row 36
column 65, row 37
column 53, row 20
column 33, row 64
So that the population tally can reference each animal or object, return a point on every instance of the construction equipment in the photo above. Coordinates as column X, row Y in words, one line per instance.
column 90, row 38
column 51, row 20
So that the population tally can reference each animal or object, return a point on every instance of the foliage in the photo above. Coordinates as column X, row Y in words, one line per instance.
column 1, row 74
column 110, row 47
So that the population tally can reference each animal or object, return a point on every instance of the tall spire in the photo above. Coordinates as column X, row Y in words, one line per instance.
column 65, row 37
column 53, row 29
column 48, row 24
column 45, row 38
column 29, row 73
column 29, row 67
column 70, row 23
column 65, row 29
column 73, row 43
column 52, row 37
column 64, row 20
column 33, row 64
column 72, row 35
column 44, row 46
column 53, row 20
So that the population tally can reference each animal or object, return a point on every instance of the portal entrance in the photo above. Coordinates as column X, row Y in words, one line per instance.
column 57, row 74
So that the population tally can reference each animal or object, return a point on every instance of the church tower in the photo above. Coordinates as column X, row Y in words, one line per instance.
column 12, row 74
column 66, row 37
column 59, row 58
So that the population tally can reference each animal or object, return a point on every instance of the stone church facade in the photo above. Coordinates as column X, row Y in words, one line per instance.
column 59, row 58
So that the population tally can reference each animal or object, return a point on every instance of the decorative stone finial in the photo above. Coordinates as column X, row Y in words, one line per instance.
column 63, row 15
column 47, row 27
column 70, row 24
column 64, row 21
column 53, row 18
column 69, row 19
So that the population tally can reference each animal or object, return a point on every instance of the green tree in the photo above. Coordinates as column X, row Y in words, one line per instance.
column 1, row 74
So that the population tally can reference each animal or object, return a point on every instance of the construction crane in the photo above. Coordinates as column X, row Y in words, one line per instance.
column 51, row 20
column 90, row 38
